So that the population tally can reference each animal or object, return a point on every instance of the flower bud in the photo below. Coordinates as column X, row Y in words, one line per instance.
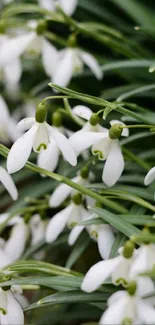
column 94, row 119
column 84, row 172
column 41, row 27
column 56, row 119
column 41, row 113
column 77, row 198
column 115, row 131
column 72, row 41
column 128, row 249
column 132, row 288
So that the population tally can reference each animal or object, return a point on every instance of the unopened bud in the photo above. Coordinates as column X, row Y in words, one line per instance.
column 77, row 198
column 41, row 27
column 41, row 113
column 128, row 249
column 115, row 131
column 94, row 119
column 132, row 288
column 84, row 172
column 56, row 119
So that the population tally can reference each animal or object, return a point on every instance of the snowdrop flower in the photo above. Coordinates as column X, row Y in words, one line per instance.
column 107, row 148
column 145, row 259
column 13, row 48
column 38, row 137
column 128, row 308
column 8, row 183
column 70, row 62
column 68, row 6
column 11, row 311
column 61, row 193
column 8, row 129
column 70, row 216
column 150, row 177
column 103, row 234
column 117, row 268
column 37, row 229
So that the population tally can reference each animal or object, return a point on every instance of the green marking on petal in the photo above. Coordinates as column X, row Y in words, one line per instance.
column 121, row 281
column 3, row 311
column 99, row 154
column 127, row 321
column 42, row 146
column 72, row 224
column 94, row 234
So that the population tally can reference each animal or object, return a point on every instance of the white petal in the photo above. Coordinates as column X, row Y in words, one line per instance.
column 15, row 245
column 122, row 270
column 82, row 111
column 114, row 165
column 3, row 301
column 150, row 177
column 64, row 71
column 69, row 6
column 92, row 63
column 145, row 313
column 61, row 193
column 125, row 132
column 65, row 146
column 26, row 123
column 117, row 296
column 145, row 286
column 8, row 183
column 13, row 48
column 14, row 314
column 74, row 234
column 37, row 227
column 144, row 260
column 12, row 129
column 48, row 159
column 47, row 4
column 49, row 57
column 82, row 140
column 122, row 308
column 4, row 112
column 98, row 273
column 57, row 224
column 13, row 71
column 41, row 139
column 20, row 151
column 105, row 240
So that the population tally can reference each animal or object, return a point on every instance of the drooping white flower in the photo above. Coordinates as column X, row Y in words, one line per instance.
column 37, row 137
column 144, row 261
column 37, row 228
column 70, row 216
column 13, row 48
column 125, row 308
column 8, row 129
column 11, row 312
column 68, row 6
column 150, row 177
column 71, row 62
column 117, row 268
column 106, row 149
column 102, row 234
column 8, row 183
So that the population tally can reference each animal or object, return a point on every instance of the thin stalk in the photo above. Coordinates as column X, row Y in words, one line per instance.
column 136, row 159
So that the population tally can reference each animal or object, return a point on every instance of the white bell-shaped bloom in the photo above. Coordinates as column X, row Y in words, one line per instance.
column 124, row 308
column 102, row 234
column 37, row 228
column 144, row 261
column 37, row 137
column 117, row 268
column 15, row 245
column 11, row 311
column 8, row 131
column 70, row 216
column 150, row 177
column 71, row 62
column 13, row 48
column 68, row 6
column 61, row 193
column 8, row 183
column 106, row 149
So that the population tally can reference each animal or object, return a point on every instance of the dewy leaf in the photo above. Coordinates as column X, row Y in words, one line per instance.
column 116, row 221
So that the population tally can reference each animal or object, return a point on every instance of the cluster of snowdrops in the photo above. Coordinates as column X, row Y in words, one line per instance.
column 92, row 141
